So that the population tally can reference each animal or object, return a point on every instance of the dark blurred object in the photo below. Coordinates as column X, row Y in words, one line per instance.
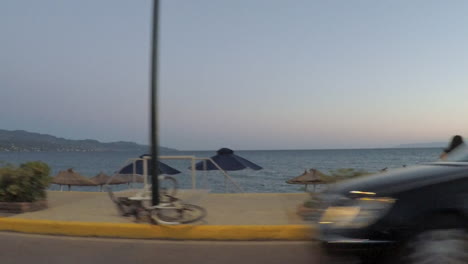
column 416, row 214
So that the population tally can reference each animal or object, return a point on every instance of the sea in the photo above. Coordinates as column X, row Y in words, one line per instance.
column 278, row 165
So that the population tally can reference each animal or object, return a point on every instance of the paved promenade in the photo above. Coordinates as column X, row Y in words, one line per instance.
column 223, row 209
column 233, row 217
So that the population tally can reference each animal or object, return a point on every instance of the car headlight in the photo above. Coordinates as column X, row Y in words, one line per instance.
column 356, row 213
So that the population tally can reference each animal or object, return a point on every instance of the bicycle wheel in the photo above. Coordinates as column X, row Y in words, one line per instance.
column 185, row 214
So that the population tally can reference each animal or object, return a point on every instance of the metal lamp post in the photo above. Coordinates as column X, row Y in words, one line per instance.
column 154, row 99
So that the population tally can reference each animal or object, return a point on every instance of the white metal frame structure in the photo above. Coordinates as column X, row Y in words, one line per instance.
column 193, row 160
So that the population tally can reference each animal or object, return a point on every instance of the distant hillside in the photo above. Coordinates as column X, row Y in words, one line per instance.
column 20, row 140
column 424, row 145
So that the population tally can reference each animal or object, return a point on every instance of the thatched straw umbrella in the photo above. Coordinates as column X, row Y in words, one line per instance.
column 103, row 178
column 312, row 176
column 71, row 177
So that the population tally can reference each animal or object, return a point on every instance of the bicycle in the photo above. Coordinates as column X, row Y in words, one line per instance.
column 169, row 211
column 173, row 211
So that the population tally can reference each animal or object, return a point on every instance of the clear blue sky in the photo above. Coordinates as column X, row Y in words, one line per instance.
column 246, row 74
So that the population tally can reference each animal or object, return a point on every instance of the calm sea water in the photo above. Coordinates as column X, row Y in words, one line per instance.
column 279, row 165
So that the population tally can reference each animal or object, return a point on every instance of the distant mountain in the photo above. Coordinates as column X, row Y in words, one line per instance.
column 424, row 145
column 20, row 140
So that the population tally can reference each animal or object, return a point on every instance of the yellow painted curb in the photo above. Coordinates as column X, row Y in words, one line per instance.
column 146, row 231
column 261, row 194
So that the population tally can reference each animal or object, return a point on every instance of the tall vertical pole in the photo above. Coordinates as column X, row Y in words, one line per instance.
column 194, row 176
column 154, row 100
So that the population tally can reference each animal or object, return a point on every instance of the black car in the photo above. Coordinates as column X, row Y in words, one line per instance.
column 416, row 214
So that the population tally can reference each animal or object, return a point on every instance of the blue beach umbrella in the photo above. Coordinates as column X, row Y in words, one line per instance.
column 228, row 161
column 163, row 168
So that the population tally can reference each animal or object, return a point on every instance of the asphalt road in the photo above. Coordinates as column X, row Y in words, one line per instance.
column 37, row 249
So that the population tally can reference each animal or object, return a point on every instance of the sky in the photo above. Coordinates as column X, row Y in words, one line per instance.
column 244, row 74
